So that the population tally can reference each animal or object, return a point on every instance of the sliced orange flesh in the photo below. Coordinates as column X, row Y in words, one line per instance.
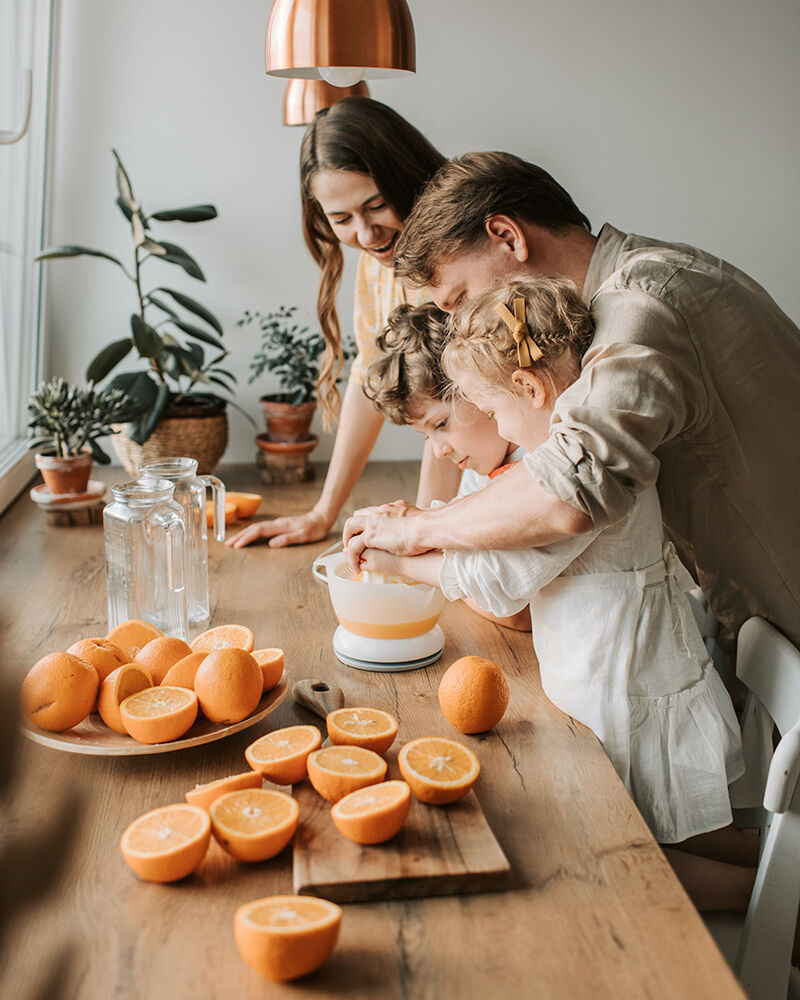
column 375, row 814
column 370, row 728
column 281, row 755
column 438, row 770
column 168, row 843
column 289, row 912
column 246, row 503
column 223, row 636
column 230, row 512
column 372, row 799
column 338, row 770
column 205, row 795
column 159, row 714
column 133, row 635
column 254, row 824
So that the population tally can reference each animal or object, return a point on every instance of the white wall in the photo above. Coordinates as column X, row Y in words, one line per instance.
column 675, row 120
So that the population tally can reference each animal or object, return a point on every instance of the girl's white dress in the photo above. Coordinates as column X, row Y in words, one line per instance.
column 619, row 650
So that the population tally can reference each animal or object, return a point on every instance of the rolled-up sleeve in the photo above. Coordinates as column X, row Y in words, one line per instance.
column 640, row 386
column 505, row 582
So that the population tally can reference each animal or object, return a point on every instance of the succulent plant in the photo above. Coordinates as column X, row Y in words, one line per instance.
column 66, row 419
column 291, row 352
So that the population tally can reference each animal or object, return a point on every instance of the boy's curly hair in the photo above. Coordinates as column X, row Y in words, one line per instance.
column 411, row 348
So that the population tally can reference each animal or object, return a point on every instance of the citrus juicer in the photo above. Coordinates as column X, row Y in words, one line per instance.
column 385, row 623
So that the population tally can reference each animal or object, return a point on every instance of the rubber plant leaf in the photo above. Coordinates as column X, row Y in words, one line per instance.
column 73, row 250
column 148, row 343
column 108, row 359
column 199, row 334
column 194, row 307
column 191, row 213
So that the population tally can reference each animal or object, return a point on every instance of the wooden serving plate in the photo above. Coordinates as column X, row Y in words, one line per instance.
column 93, row 737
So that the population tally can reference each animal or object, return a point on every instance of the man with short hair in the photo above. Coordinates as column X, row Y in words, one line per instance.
column 692, row 382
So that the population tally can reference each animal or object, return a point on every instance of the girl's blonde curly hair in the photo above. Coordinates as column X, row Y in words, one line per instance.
column 481, row 343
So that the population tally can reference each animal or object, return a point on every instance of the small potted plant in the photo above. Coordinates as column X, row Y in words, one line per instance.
column 291, row 353
column 176, row 409
column 66, row 423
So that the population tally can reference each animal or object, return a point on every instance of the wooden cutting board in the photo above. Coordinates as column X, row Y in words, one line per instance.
column 441, row 850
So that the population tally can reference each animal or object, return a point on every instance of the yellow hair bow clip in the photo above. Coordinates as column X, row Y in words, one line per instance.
column 528, row 350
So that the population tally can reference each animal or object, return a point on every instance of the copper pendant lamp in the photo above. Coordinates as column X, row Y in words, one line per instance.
column 340, row 41
column 304, row 98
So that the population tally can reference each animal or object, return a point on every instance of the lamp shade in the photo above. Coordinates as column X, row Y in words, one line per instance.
column 304, row 98
column 350, row 40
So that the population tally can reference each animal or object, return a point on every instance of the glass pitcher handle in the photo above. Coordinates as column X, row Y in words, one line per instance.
column 176, row 566
column 218, row 491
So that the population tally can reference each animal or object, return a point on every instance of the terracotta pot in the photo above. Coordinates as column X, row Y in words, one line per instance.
column 196, row 428
column 286, row 422
column 65, row 475
column 285, row 461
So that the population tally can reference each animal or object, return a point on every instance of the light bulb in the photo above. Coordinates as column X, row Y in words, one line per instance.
column 342, row 76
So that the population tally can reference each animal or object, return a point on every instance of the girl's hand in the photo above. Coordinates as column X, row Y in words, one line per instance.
column 310, row 527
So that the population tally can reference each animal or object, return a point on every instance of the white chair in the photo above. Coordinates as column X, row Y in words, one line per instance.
column 769, row 665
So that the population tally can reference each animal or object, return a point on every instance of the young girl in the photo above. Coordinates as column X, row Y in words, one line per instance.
column 407, row 385
column 617, row 644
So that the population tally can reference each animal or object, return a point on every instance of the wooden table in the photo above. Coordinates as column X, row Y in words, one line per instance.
column 594, row 909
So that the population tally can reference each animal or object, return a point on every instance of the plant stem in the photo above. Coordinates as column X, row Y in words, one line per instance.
column 153, row 362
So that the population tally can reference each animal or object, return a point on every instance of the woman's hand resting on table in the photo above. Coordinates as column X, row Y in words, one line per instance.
column 310, row 527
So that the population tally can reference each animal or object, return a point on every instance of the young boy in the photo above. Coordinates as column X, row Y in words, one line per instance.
column 408, row 386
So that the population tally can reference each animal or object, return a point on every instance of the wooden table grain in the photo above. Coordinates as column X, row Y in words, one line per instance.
column 593, row 910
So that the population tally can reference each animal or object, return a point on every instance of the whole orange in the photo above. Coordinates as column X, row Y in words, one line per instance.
column 103, row 655
column 473, row 694
column 228, row 685
column 59, row 691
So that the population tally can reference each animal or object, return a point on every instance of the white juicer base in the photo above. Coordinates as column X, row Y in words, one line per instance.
column 388, row 655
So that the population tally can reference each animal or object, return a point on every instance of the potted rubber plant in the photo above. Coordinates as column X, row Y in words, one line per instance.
column 292, row 354
column 177, row 409
column 66, row 423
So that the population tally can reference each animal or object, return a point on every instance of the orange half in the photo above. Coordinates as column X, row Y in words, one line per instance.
column 119, row 685
column 246, row 503
column 281, row 755
column 133, row 635
column 271, row 663
column 254, row 824
column 375, row 814
column 337, row 771
column 285, row 937
column 205, row 795
column 222, row 637
column 370, row 728
column 167, row 844
column 438, row 770
column 159, row 714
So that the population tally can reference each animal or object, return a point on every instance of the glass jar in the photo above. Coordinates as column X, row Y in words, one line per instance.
column 145, row 566
column 190, row 493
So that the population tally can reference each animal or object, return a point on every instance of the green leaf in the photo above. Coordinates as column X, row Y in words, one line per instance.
column 198, row 333
column 226, row 373
column 72, row 250
column 148, row 343
column 124, row 185
column 108, row 359
column 152, row 247
column 191, row 213
column 194, row 307
column 218, row 381
column 140, row 386
column 150, row 420
column 125, row 209
column 177, row 255
column 161, row 305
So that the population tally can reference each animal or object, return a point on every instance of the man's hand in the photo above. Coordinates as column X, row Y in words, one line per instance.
column 389, row 527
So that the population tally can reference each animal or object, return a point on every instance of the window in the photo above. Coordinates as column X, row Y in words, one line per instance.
column 25, row 32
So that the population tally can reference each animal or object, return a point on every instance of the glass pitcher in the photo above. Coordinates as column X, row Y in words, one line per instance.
column 190, row 493
column 145, row 565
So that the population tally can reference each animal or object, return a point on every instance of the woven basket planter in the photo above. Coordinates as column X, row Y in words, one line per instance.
column 200, row 432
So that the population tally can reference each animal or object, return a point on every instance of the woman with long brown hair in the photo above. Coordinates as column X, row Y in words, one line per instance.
column 361, row 167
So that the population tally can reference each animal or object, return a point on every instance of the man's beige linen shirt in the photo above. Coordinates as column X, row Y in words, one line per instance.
column 692, row 382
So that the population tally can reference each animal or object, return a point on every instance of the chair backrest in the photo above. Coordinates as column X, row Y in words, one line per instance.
column 770, row 667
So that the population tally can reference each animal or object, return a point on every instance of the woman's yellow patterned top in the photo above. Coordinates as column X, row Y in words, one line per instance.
column 377, row 293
